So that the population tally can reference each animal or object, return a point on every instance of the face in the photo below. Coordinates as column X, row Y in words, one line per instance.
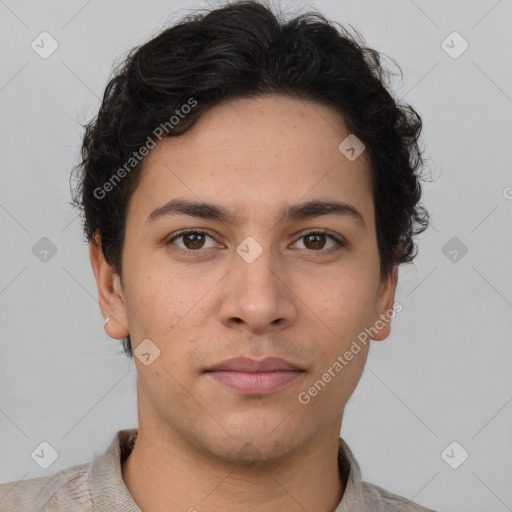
column 248, row 279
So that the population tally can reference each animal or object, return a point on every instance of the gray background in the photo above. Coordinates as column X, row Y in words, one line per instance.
column 444, row 373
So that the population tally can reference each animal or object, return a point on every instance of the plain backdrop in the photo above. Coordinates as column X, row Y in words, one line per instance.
column 443, row 375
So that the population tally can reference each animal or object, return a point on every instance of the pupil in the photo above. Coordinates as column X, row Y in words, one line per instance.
column 196, row 240
column 317, row 241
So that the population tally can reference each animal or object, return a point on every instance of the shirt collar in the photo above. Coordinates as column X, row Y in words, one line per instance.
column 109, row 492
column 349, row 468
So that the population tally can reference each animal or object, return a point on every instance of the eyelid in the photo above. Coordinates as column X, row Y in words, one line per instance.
column 325, row 232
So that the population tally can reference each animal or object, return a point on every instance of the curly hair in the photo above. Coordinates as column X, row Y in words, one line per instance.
column 242, row 50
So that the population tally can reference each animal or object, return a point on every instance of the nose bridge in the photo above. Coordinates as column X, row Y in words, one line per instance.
column 255, row 266
column 256, row 293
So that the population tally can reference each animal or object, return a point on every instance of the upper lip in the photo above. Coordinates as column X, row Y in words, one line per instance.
column 247, row 364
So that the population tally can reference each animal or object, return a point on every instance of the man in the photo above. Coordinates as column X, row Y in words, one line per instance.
column 249, row 188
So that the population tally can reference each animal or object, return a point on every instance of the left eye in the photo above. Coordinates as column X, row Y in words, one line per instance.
column 317, row 239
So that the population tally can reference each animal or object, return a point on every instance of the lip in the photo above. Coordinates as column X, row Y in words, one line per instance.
column 247, row 364
column 255, row 377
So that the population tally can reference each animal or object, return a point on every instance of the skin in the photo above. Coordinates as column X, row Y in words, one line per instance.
column 202, row 446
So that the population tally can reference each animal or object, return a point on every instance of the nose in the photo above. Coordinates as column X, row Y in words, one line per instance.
column 258, row 296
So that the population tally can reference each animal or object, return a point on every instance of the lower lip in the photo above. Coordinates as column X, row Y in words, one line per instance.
column 249, row 383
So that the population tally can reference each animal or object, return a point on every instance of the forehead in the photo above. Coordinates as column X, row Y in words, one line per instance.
column 247, row 153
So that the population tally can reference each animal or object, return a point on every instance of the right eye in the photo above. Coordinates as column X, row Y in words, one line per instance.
column 192, row 240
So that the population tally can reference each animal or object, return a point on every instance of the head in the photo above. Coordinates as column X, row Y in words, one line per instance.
column 233, row 125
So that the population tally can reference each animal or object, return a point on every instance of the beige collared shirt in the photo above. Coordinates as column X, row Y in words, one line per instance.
column 98, row 486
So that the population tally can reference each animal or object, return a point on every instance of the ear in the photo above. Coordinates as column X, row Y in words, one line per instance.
column 110, row 292
column 385, row 302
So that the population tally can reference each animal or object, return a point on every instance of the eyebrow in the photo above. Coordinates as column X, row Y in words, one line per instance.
column 210, row 211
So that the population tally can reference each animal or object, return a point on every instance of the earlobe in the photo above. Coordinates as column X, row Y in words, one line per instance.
column 115, row 329
column 110, row 294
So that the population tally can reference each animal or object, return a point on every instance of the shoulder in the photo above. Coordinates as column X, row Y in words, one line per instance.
column 67, row 490
column 89, row 487
column 385, row 501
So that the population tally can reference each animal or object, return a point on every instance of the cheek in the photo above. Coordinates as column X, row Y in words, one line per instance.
column 153, row 304
column 345, row 306
column 329, row 389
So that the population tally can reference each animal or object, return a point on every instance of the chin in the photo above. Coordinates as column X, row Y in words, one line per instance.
column 252, row 446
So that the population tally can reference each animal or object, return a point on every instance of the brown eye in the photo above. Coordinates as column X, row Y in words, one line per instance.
column 191, row 241
column 314, row 241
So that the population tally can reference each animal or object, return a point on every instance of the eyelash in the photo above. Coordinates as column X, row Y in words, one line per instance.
column 339, row 243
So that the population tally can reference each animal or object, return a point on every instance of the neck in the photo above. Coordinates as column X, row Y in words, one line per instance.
column 164, row 473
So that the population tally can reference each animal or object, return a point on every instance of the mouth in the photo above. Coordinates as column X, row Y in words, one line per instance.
column 255, row 377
